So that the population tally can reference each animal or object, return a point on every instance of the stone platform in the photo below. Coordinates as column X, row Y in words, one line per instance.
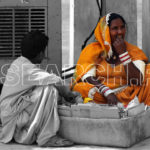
column 123, row 132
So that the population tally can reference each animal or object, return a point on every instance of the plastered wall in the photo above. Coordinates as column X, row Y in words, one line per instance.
column 86, row 16
column 146, row 27
column 54, row 32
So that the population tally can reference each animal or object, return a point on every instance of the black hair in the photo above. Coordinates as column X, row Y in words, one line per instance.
column 33, row 43
column 115, row 16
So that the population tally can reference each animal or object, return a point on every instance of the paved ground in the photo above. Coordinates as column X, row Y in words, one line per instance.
column 144, row 145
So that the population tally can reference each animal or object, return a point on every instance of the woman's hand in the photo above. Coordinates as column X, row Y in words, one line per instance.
column 119, row 46
column 112, row 99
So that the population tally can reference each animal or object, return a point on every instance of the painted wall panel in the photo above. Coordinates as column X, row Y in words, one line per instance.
column 146, row 27
column 54, row 33
column 5, row 3
column 86, row 16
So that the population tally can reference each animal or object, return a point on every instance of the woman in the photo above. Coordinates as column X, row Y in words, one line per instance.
column 112, row 70
column 29, row 98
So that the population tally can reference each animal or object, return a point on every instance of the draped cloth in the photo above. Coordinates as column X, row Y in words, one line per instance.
column 28, row 104
column 95, row 54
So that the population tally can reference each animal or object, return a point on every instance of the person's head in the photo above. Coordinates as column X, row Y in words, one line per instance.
column 33, row 46
column 107, row 30
column 117, row 26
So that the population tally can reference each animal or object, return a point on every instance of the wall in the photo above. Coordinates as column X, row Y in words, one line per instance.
column 86, row 16
column 146, row 27
column 23, row 3
column 54, row 32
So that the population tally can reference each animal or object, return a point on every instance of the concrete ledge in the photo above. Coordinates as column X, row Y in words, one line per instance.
column 106, row 132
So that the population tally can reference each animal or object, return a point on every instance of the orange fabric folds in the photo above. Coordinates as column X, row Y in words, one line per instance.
column 95, row 54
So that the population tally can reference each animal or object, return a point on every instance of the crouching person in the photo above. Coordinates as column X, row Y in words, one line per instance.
column 28, row 102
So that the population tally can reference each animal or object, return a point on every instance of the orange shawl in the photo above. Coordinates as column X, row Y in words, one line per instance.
column 94, row 55
column 95, row 52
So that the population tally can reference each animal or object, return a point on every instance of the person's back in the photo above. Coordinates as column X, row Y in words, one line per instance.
column 28, row 101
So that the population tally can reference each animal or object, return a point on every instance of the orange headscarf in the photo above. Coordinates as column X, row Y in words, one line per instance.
column 92, row 53
column 102, row 35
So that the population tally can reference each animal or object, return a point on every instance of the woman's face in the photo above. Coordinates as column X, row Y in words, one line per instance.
column 117, row 29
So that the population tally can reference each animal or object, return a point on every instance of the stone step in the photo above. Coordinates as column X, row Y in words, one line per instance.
column 106, row 132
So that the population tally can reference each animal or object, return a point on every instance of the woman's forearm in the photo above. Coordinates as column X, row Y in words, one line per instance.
column 134, row 76
column 93, row 80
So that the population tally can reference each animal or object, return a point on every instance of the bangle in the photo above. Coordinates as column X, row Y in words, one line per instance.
column 125, row 58
column 92, row 92
column 105, row 90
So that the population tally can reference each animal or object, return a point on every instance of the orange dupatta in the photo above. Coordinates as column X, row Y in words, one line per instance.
column 92, row 54
column 96, row 52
